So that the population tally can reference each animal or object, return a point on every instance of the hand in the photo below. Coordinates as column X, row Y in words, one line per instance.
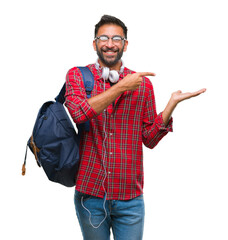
column 133, row 81
column 178, row 96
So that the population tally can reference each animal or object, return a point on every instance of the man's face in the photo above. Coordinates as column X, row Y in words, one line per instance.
column 110, row 52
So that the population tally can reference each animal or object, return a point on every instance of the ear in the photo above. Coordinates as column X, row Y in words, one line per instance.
column 94, row 45
column 125, row 45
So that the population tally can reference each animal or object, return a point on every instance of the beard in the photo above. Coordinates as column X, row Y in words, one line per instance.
column 109, row 61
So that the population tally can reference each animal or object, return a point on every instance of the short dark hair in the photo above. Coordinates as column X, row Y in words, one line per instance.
column 107, row 19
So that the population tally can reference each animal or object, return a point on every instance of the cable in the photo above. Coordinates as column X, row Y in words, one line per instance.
column 103, row 163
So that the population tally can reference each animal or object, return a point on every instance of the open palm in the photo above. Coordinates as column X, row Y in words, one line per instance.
column 178, row 96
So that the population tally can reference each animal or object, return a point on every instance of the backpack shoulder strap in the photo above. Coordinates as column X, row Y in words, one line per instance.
column 88, row 80
column 88, row 83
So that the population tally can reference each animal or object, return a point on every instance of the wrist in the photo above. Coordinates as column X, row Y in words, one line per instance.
column 120, row 87
column 172, row 103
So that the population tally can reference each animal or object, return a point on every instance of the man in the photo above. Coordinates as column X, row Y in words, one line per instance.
column 122, row 115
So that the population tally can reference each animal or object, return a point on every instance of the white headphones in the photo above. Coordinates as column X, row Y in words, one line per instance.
column 112, row 75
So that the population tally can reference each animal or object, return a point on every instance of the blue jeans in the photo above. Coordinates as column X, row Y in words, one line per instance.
column 125, row 218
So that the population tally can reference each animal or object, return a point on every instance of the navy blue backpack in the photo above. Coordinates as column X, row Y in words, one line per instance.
column 54, row 141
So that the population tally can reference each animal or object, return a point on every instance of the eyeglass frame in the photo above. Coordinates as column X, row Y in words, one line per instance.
column 122, row 38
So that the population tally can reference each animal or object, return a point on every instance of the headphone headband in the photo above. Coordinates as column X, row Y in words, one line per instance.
column 112, row 75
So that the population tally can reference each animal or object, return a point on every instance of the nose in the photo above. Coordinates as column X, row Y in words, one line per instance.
column 109, row 43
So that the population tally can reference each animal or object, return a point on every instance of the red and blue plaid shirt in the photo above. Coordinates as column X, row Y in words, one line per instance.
column 111, row 153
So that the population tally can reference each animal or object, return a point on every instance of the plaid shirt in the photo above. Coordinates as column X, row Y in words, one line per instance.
column 111, row 153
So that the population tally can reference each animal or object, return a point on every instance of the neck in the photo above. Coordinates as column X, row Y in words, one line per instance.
column 116, row 67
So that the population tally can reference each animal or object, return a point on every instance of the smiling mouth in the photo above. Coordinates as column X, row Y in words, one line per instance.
column 110, row 53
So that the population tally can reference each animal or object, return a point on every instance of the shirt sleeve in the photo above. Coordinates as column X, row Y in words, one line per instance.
column 76, row 99
column 154, row 128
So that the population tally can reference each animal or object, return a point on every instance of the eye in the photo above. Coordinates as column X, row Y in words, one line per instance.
column 103, row 38
column 117, row 38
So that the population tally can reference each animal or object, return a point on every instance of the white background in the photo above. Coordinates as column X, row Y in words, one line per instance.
column 186, row 175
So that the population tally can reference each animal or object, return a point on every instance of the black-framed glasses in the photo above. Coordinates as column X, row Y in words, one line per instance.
column 115, row 39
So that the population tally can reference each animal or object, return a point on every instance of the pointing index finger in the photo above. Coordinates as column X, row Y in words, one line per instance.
column 143, row 74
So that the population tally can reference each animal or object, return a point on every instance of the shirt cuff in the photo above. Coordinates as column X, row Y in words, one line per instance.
column 162, row 126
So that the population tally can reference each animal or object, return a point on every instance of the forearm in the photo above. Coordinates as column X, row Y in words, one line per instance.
column 167, row 113
column 103, row 100
column 130, row 82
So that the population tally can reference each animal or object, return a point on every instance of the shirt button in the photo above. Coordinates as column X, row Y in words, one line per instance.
column 110, row 134
column 109, row 172
column 110, row 153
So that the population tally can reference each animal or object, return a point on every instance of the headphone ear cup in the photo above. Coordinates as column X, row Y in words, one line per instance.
column 113, row 76
column 105, row 73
